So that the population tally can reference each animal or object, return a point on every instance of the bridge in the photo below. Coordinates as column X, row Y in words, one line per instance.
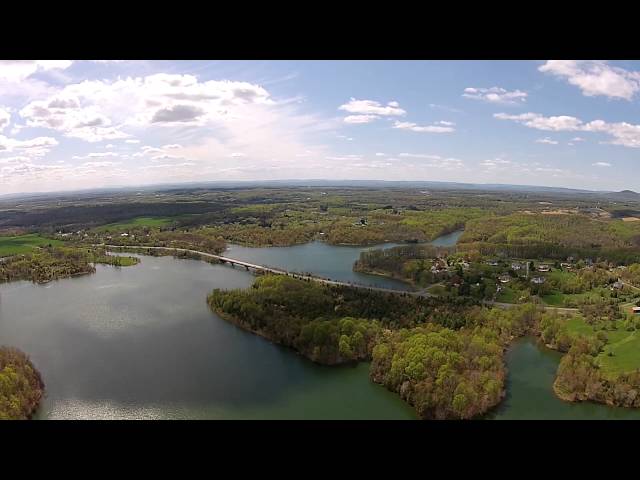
column 275, row 271
column 313, row 278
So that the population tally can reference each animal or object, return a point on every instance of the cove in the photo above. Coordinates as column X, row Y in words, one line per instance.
column 532, row 371
column 329, row 261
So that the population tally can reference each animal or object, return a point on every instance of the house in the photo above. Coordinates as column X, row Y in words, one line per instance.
column 124, row 234
column 636, row 310
column 566, row 265
column 538, row 280
column 493, row 263
column 439, row 266
column 516, row 266
column 544, row 268
column 617, row 285
column 504, row 278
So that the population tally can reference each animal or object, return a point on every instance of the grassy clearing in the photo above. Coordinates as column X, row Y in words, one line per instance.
column 507, row 295
column 626, row 354
column 558, row 299
column 555, row 299
column 437, row 289
column 136, row 223
column 577, row 326
column 623, row 345
column 24, row 244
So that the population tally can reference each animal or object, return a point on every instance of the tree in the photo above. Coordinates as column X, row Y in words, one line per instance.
column 344, row 347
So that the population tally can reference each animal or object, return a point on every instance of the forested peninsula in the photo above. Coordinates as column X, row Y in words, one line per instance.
column 21, row 387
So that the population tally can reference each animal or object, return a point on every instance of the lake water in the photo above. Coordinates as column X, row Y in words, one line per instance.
column 319, row 258
column 532, row 371
column 141, row 342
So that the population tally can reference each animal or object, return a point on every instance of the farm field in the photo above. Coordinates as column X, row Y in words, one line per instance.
column 136, row 223
column 24, row 244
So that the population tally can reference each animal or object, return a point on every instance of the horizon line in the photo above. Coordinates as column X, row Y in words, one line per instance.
column 195, row 184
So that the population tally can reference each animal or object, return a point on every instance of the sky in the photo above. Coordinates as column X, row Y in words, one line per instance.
column 70, row 125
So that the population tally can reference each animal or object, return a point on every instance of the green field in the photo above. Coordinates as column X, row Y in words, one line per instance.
column 624, row 346
column 23, row 244
column 558, row 299
column 626, row 353
column 136, row 223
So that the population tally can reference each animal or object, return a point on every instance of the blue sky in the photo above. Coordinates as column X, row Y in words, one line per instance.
column 68, row 125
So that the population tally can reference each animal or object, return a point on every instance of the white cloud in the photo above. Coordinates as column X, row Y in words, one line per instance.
column 344, row 157
column 166, row 156
column 423, row 129
column 35, row 147
column 95, row 155
column 100, row 164
column 623, row 133
column 237, row 155
column 5, row 118
column 494, row 163
column 601, row 164
column 172, row 146
column 98, row 110
column 65, row 114
column 132, row 141
column 495, row 95
column 420, row 155
column 360, row 118
column 547, row 140
column 535, row 120
column 19, row 70
column 595, row 77
column 371, row 107
column 380, row 154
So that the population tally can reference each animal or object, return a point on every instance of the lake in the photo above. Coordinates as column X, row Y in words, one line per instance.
column 141, row 342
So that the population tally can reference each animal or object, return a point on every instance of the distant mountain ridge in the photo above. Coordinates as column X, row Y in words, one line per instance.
column 622, row 195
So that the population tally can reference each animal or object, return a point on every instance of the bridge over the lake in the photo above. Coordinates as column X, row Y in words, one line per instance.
column 313, row 278
column 273, row 270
